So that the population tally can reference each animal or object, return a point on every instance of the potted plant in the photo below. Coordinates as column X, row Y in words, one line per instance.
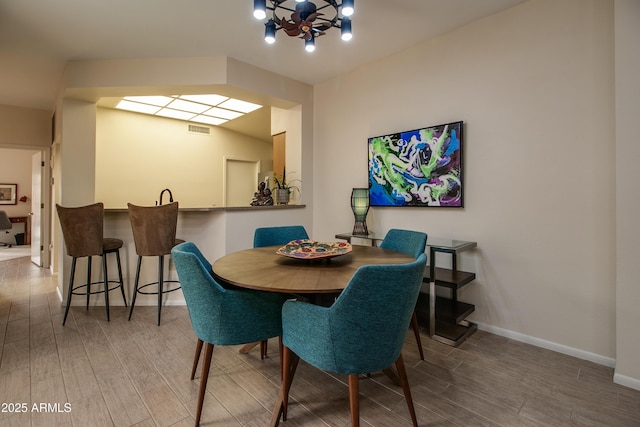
column 283, row 188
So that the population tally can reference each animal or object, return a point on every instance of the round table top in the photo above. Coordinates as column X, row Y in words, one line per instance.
column 264, row 269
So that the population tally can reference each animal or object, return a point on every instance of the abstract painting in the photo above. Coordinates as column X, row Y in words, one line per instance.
column 421, row 167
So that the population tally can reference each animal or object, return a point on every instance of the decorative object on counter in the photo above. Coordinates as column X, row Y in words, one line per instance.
column 8, row 194
column 309, row 249
column 262, row 197
column 307, row 21
column 421, row 167
column 283, row 188
column 159, row 203
column 360, row 207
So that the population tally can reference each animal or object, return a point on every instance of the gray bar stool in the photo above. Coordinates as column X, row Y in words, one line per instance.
column 154, row 234
column 82, row 228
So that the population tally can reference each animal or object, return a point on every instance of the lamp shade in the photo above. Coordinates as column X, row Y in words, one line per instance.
column 360, row 207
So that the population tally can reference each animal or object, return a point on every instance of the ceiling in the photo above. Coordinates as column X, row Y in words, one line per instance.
column 38, row 37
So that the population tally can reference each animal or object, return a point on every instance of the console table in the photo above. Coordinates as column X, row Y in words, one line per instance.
column 26, row 220
column 446, row 316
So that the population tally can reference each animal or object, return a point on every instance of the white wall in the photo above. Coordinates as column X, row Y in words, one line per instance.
column 138, row 155
column 533, row 86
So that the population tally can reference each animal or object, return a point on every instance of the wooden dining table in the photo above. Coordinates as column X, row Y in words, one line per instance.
column 265, row 270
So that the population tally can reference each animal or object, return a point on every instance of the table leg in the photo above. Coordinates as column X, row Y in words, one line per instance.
column 432, row 292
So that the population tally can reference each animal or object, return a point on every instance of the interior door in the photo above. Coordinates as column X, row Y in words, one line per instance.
column 36, row 210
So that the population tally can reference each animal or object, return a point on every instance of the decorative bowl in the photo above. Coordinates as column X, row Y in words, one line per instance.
column 309, row 249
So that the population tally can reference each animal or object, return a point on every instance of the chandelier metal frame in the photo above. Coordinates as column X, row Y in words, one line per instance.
column 304, row 19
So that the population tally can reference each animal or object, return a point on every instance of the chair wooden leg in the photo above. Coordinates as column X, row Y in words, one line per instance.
column 402, row 374
column 289, row 365
column 416, row 332
column 208, row 352
column 280, row 346
column 196, row 358
column 70, row 291
column 354, row 399
column 263, row 349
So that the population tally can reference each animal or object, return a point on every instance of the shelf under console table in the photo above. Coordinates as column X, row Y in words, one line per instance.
column 445, row 317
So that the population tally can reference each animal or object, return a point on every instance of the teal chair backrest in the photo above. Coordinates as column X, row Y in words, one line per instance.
column 364, row 330
column 224, row 316
column 408, row 242
column 270, row 236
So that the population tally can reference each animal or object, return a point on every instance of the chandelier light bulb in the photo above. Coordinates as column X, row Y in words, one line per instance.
column 260, row 9
column 270, row 32
column 347, row 7
column 345, row 29
column 310, row 45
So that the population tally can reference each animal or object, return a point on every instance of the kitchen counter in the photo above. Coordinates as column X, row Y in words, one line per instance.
column 222, row 208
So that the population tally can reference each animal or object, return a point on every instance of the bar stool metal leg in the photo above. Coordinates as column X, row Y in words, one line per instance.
column 88, row 280
column 69, row 292
column 160, row 284
column 135, row 286
column 124, row 298
column 106, row 284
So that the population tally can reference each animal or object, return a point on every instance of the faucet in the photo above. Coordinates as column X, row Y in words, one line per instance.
column 162, row 194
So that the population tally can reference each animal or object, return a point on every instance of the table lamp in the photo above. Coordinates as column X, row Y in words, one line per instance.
column 360, row 207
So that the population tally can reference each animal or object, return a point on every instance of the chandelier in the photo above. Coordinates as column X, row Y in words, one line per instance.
column 304, row 19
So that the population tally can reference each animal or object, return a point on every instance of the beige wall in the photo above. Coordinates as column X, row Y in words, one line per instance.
column 627, row 18
column 24, row 127
column 139, row 155
column 533, row 85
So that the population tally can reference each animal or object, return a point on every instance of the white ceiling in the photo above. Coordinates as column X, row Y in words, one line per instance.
column 38, row 36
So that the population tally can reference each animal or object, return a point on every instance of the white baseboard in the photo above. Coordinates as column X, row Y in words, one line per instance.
column 560, row 348
column 633, row 383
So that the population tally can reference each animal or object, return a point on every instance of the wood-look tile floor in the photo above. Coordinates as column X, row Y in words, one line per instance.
column 97, row 373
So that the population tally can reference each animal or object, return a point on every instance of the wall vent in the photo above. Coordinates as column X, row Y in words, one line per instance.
column 200, row 129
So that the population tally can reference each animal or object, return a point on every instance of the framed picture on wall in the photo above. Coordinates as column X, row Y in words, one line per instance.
column 8, row 194
column 420, row 167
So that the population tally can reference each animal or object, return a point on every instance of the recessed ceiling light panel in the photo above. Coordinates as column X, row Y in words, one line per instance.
column 160, row 101
column 208, row 119
column 194, row 107
column 175, row 114
column 237, row 105
column 137, row 107
column 222, row 113
column 210, row 99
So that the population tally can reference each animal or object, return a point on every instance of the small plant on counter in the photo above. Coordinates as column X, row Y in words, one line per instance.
column 283, row 188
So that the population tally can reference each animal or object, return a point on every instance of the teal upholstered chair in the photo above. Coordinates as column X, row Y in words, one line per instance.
column 280, row 235
column 413, row 244
column 269, row 236
column 363, row 331
column 222, row 316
